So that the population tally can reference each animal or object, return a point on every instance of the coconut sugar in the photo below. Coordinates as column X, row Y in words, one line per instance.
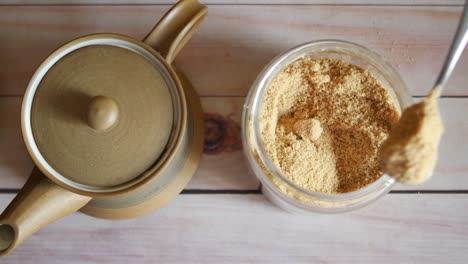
column 410, row 153
column 322, row 122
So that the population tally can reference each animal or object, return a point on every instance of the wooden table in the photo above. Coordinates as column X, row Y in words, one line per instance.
column 221, row 216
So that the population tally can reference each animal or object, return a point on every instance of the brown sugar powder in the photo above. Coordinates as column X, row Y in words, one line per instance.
column 410, row 152
column 322, row 122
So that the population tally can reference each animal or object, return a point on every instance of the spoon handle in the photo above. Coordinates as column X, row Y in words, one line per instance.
column 458, row 44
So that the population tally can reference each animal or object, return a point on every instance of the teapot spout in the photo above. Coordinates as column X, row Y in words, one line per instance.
column 39, row 203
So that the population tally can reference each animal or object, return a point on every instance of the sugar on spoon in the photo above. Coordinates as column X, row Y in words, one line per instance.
column 410, row 153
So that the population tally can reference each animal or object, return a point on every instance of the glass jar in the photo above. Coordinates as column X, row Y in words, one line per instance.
column 279, row 189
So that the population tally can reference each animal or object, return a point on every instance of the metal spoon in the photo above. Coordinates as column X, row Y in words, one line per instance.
column 410, row 152
column 458, row 44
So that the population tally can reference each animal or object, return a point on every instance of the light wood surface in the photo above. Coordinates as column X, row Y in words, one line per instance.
column 232, row 2
column 235, row 42
column 228, row 170
column 400, row 228
column 221, row 217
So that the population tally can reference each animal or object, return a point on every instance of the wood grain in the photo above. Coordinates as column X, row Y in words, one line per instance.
column 236, row 42
column 399, row 228
column 230, row 2
column 227, row 169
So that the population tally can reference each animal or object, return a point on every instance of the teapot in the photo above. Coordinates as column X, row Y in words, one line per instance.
column 113, row 128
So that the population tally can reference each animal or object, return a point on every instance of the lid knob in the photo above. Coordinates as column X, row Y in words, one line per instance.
column 102, row 112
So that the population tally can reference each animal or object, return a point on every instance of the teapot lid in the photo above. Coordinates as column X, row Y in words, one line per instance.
column 100, row 111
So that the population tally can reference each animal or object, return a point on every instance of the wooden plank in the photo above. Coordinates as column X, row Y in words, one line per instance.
column 400, row 228
column 15, row 163
column 236, row 42
column 223, row 170
column 226, row 169
column 231, row 2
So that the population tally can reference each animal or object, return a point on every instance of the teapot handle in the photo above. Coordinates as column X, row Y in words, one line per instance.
column 39, row 203
column 176, row 27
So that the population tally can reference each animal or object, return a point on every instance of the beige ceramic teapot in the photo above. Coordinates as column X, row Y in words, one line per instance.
column 112, row 128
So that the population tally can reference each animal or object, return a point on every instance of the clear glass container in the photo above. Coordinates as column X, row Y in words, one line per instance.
column 275, row 185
